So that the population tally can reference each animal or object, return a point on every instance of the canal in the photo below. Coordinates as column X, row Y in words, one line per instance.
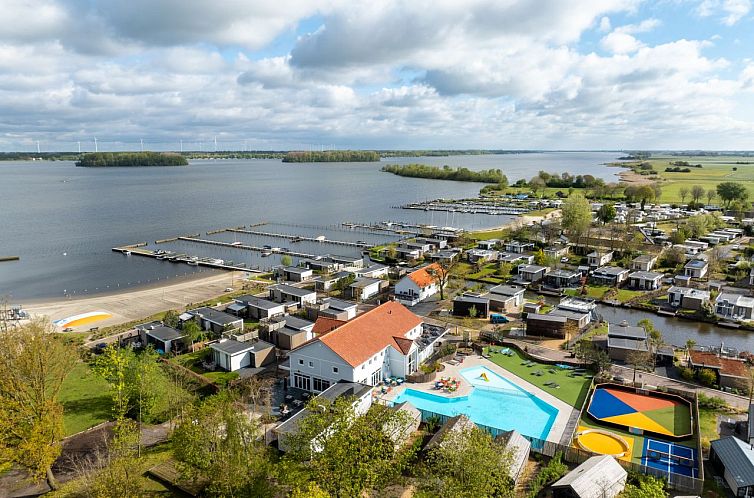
column 677, row 331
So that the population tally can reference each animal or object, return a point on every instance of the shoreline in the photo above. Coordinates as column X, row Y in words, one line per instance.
column 137, row 303
column 519, row 221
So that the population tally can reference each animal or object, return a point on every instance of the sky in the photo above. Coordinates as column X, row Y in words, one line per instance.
column 376, row 74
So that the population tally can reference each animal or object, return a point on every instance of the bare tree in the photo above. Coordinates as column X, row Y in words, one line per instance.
column 441, row 272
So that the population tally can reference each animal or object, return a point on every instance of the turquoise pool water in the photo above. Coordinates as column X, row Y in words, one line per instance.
column 495, row 402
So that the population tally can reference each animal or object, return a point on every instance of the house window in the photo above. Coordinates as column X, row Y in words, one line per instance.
column 311, row 364
column 320, row 384
column 300, row 362
column 302, row 382
column 334, row 369
column 376, row 377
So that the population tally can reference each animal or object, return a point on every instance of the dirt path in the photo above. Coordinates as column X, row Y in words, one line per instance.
column 133, row 305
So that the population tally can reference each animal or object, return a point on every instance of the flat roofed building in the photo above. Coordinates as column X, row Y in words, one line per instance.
column 611, row 276
column 506, row 297
column 233, row 355
column 687, row 298
column 282, row 293
column 696, row 268
column 645, row 280
column 471, row 304
column 645, row 262
column 214, row 320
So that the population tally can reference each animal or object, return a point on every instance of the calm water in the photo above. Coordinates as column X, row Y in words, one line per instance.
column 495, row 403
column 64, row 220
column 676, row 331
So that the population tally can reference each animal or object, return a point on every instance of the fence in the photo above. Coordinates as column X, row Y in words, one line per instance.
column 573, row 455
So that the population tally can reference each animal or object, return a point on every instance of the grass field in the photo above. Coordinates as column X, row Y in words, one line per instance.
column 573, row 390
column 714, row 170
column 86, row 400
column 193, row 361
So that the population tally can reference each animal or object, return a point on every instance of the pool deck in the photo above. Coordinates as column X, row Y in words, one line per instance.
column 564, row 410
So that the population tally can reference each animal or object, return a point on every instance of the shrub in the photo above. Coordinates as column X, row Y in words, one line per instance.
column 711, row 402
column 707, row 377
column 686, row 373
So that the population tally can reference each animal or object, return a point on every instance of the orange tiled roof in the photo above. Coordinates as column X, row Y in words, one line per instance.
column 324, row 325
column 364, row 336
column 424, row 278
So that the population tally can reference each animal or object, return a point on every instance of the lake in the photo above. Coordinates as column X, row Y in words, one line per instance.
column 63, row 220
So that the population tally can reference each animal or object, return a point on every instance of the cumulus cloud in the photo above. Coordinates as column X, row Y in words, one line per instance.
column 398, row 73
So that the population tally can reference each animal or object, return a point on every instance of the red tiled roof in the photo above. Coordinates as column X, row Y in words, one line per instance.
column 325, row 325
column 364, row 336
column 423, row 276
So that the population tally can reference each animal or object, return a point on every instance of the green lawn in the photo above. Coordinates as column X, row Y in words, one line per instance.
column 193, row 361
column 592, row 291
column 85, row 399
column 624, row 295
column 573, row 390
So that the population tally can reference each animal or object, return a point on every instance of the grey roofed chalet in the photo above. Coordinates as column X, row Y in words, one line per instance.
column 738, row 459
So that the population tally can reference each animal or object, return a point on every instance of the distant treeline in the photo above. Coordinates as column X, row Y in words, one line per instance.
column 446, row 173
column 566, row 180
column 47, row 156
column 252, row 154
column 447, row 152
column 331, row 156
column 119, row 159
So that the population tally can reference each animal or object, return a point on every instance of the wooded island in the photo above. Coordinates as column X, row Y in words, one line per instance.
column 130, row 159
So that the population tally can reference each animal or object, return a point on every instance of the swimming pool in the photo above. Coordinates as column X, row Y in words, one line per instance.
column 495, row 402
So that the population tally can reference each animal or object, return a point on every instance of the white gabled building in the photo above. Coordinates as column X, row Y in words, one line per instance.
column 386, row 341
column 418, row 285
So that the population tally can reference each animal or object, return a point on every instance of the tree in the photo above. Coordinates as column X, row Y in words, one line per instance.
column 655, row 338
column 537, row 184
column 697, row 225
column 441, row 272
column 732, row 191
column 645, row 193
column 606, row 213
column 683, row 192
column 194, row 332
column 473, row 312
column 738, row 207
column 468, row 463
column 576, row 215
column 286, row 260
column 711, row 194
column 34, row 362
column 697, row 191
column 170, row 319
column 647, row 487
column 219, row 444
column 346, row 453
column 639, row 360
column 690, row 343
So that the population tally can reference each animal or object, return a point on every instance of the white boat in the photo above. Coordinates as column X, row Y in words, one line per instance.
column 193, row 262
column 127, row 253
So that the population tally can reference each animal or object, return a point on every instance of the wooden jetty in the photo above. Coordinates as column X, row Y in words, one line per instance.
column 182, row 258
column 243, row 246
column 297, row 238
column 10, row 258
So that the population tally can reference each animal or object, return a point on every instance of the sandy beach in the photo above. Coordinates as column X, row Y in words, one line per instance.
column 522, row 220
column 138, row 303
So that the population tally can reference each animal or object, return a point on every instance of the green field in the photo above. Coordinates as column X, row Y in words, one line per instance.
column 573, row 390
column 85, row 399
column 714, row 170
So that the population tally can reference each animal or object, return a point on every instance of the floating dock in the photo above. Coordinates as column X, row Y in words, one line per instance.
column 298, row 238
column 137, row 250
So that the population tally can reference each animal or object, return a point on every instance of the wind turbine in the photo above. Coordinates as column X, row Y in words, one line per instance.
column 38, row 151
column 142, row 144
column 79, row 142
column 96, row 149
column 215, row 143
column 181, row 145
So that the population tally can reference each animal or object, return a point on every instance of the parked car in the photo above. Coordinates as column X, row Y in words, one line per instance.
column 498, row 318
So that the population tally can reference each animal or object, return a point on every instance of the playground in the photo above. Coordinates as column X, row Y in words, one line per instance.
column 648, row 428
column 656, row 413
